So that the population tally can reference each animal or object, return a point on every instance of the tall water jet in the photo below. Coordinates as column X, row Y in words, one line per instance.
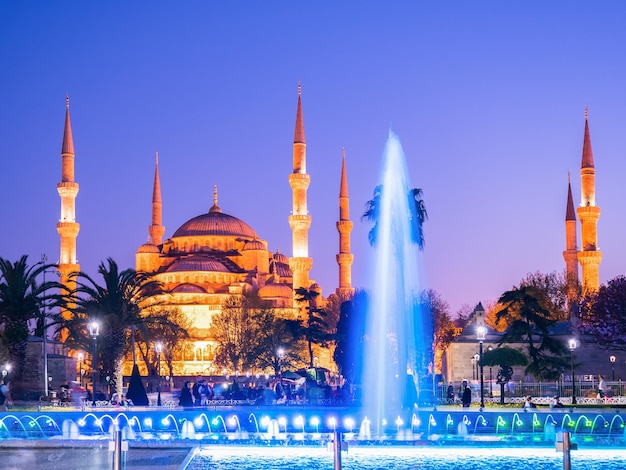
column 397, row 341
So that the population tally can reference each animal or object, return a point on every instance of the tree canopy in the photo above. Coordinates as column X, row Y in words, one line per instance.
column 603, row 314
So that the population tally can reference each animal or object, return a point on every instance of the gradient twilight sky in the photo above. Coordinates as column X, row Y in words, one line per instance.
column 487, row 98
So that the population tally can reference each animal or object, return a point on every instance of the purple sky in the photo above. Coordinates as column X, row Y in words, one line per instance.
column 487, row 98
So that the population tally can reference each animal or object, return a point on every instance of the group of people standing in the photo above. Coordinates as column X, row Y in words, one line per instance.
column 198, row 395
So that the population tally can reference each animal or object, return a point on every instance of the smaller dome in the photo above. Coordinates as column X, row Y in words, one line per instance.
column 148, row 248
column 253, row 245
column 187, row 288
column 273, row 290
column 278, row 256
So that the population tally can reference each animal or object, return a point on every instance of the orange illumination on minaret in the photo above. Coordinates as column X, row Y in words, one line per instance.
column 157, row 230
column 588, row 214
column 344, row 227
column 300, row 220
column 571, row 246
column 67, row 227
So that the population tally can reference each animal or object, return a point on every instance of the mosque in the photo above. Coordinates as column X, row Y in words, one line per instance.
column 460, row 358
column 216, row 255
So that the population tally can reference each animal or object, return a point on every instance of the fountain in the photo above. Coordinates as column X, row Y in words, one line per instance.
column 398, row 337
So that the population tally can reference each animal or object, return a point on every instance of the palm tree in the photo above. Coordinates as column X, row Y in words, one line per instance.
column 21, row 299
column 417, row 215
column 116, row 304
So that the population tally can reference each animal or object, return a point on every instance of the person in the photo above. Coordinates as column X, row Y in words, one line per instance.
column 556, row 403
column 5, row 396
column 528, row 403
column 196, row 391
column 185, row 400
column 450, row 394
column 466, row 397
column 601, row 387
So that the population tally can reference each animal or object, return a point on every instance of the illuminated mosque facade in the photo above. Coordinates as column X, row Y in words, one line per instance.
column 215, row 255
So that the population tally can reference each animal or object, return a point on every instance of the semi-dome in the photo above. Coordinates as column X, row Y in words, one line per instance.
column 253, row 245
column 197, row 263
column 188, row 288
column 274, row 290
column 215, row 223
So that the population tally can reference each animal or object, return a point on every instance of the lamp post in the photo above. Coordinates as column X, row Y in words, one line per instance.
column 490, row 348
column 473, row 361
column 81, row 357
column 281, row 354
column 481, row 331
column 159, row 348
column 94, row 331
column 572, row 346
column 476, row 362
column 613, row 359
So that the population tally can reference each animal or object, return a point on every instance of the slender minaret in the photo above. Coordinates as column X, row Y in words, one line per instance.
column 67, row 227
column 588, row 214
column 571, row 246
column 157, row 230
column 300, row 220
column 344, row 227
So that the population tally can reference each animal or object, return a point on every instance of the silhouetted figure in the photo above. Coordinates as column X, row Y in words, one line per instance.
column 185, row 400
column 466, row 398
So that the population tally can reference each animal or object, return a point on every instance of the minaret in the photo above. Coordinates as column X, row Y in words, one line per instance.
column 67, row 227
column 157, row 230
column 344, row 227
column 588, row 214
column 147, row 256
column 300, row 220
column 571, row 246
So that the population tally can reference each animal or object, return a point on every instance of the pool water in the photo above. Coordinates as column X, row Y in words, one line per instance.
column 402, row 458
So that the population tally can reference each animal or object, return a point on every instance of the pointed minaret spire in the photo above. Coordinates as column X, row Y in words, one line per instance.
column 344, row 227
column 588, row 214
column 157, row 230
column 215, row 207
column 299, row 132
column 67, row 148
column 587, row 158
column 571, row 247
column 300, row 220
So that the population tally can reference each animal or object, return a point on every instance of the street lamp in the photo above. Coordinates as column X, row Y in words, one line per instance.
column 81, row 357
column 490, row 348
column 473, row 361
column 5, row 371
column 481, row 331
column 572, row 346
column 159, row 349
column 613, row 359
column 94, row 331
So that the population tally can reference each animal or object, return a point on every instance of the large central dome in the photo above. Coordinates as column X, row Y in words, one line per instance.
column 215, row 222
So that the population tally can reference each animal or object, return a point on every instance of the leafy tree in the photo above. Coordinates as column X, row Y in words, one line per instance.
column 314, row 326
column 170, row 330
column 530, row 322
column 21, row 300
column 234, row 332
column 116, row 304
column 505, row 358
column 443, row 326
column 417, row 215
column 603, row 314
column 273, row 334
